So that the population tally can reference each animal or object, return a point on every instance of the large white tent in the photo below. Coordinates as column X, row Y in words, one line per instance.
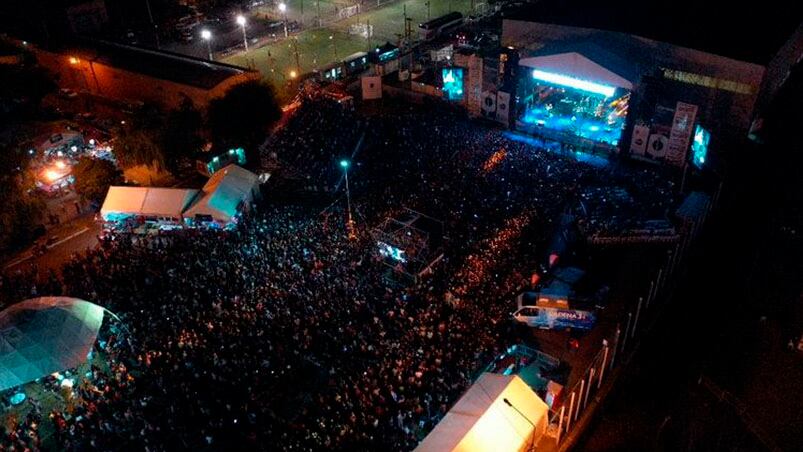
column 482, row 421
column 45, row 335
column 224, row 192
column 147, row 201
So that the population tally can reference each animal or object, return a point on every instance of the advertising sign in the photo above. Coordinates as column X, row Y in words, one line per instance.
column 371, row 87
column 554, row 318
column 503, row 107
column 680, row 135
column 638, row 145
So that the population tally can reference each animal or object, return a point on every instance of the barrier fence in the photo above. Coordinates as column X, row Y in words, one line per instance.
column 576, row 400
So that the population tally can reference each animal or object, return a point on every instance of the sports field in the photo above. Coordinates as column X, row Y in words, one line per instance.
column 320, row 47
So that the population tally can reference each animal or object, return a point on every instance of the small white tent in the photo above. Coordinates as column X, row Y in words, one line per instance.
column 482, row 421
column 224, row 193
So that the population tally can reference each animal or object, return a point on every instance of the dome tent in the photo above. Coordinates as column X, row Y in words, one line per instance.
column 45, row 335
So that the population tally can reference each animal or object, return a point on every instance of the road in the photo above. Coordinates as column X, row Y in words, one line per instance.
column 74, row 237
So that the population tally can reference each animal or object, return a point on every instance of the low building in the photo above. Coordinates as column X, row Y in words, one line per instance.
column 129, row 73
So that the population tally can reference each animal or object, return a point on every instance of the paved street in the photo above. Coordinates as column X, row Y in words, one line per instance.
column 76, row 236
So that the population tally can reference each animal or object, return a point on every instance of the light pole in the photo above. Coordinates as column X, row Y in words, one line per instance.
column 241, row 23
column 350, row 224
column 283, row 10
column 532, row 441
column 334, row 45
column 206, row 35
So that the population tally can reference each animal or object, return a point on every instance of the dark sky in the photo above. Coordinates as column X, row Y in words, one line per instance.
column 751, row 33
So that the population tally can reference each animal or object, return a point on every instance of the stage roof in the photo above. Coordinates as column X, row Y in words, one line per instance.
column 482, row 421
column 577, row 66
column 45, row 335
column 147, row 201
column 224, row 191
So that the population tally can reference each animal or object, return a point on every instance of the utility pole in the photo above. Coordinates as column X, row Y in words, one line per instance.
column 428, row 10
column 319, row 12
column 368, row 33
column 295, row 51
column 155, row 28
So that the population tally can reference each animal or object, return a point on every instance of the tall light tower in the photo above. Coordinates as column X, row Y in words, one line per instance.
column 283, row 10
column 206, row 35
column 241, row 23
column 350, row 223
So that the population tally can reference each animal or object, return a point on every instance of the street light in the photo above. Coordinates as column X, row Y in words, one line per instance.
column 241, row 23
column 283, row 10
column 206, row 35
column 350, row 224
column 532, row 441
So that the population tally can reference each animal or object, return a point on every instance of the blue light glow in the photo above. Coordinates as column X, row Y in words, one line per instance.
column 699, row 147
column 453, row 82
column 575, row 83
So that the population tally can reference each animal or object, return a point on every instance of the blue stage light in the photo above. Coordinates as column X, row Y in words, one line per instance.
column 575, row 83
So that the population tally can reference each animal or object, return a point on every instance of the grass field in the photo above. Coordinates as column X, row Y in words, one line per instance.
column 320, row 47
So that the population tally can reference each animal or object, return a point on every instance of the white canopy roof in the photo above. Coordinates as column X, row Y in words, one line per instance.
column 482, row 421
column 147, row 201
column 223, row 192
column 577, row 66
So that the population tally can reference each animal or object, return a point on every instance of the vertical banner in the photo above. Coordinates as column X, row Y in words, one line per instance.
column 680, row 136
column 489, row 104
column 503, row 107
column 638, row 144
column 371, row 87
column 474, row 98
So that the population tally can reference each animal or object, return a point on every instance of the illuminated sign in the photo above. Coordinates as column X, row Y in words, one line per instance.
column 452, row 83
column 699, row 146
column 576, row 83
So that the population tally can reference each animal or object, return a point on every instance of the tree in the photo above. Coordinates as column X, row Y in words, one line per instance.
column 94, row 176
column 138, row 147
column 22, row 207
column 180, row 135
column 243, row 115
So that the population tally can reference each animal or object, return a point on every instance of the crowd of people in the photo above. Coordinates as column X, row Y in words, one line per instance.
column 284, row 333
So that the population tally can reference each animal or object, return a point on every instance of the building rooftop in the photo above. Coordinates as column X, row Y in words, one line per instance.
column 744, row 33
column 159, row 64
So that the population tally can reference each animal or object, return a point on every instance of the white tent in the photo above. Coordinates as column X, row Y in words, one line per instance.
column 224, row 192
column 482, row 421
column 147, row 201
column 575, row 65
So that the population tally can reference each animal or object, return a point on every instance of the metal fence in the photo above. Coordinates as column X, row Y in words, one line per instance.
column 576, row 400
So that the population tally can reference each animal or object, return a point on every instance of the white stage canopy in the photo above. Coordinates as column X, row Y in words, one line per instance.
column 576, row 66
column 482, row 421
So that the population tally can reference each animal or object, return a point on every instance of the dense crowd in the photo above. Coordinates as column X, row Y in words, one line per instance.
column 284, row 334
